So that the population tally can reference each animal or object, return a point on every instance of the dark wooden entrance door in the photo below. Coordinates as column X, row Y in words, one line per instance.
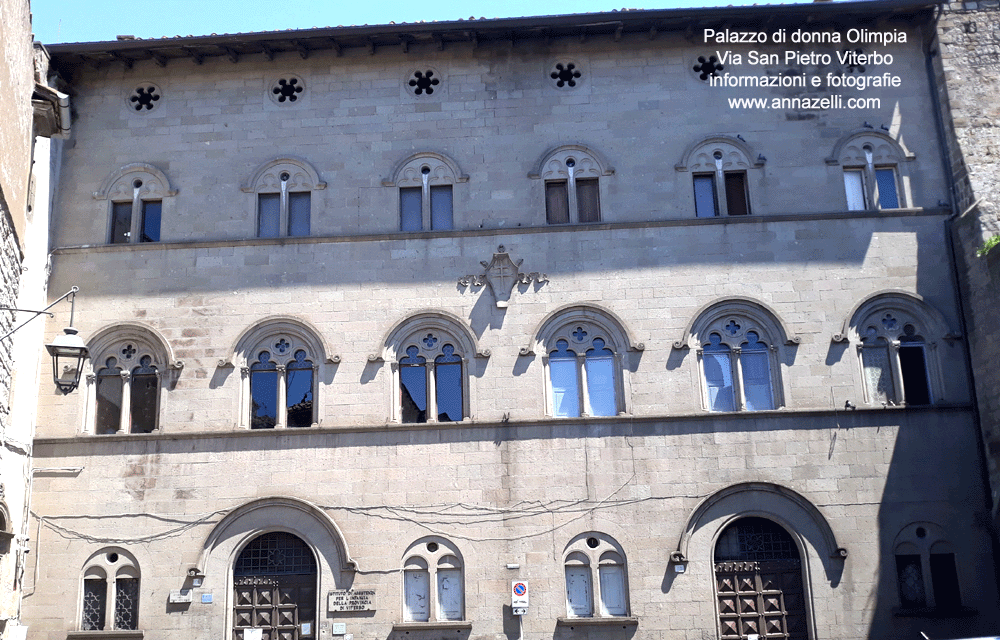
column 758, row 583
column 274, row 590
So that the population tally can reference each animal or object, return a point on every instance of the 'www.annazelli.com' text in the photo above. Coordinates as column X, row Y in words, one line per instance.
column 829, row 102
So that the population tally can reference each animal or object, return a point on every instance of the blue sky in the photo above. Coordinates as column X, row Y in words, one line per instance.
column 57, row 21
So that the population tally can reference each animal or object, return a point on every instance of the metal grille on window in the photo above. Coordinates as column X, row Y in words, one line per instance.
column 94, row 601
column 126, row 603
column 275, row 554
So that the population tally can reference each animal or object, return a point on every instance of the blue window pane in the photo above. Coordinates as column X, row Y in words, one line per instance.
column 268, row 215
column 448, row 380
column 441, row 208
column 410, row 214
column 298, row 213
column 299, row 391
column 704, row 197
column 718, row 375
column 756, row 371
column 887, row 197
column 565, row 382
column 601, row 385
column 151, row 221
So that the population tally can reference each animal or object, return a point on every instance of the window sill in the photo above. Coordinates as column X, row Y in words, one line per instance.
column 926, row 612
column 114, row 634
column 443, row 625
column 610, row 621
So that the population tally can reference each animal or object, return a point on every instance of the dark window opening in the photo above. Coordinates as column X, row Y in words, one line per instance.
column 299, row 391
column 913, row 366
column 736, row 193
column 144, row 394
column 121, row 222
column 556, row 202
column 944, row 580
column 911, row 581
column 588, row 199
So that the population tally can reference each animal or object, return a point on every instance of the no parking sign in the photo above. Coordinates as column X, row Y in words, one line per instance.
column 519, row 597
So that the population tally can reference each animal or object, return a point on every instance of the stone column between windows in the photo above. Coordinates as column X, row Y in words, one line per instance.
column 281, row 411
column 125, row 419
column 432, row 415
column 245, row 401
column 583, row 392
column 737, row 366
column 90, row 419
column 897, row 373
column 574, row 212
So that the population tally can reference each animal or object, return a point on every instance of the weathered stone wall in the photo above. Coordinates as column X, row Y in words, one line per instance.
column 518, row 493
column 969, row 38
column 16, row 86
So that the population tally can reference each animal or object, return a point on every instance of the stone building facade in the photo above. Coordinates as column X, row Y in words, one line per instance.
column 385, row 321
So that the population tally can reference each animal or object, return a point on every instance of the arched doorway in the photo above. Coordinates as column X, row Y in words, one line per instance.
column 274, row 589
column 758, row 582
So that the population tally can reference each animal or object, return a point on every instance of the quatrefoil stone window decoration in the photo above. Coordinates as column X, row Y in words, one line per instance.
column 430, row 341
column 565, row 74
column 708, row 67
column 281, row 346
column 128, row 351
column 423, row 82
column 287, row 89
column 144, row 97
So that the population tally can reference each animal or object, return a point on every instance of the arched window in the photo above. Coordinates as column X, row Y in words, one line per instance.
column 132, row 366
column 430, row 355
column 596, row 578
column 874, row 170
column 426, row 200
column 433, row 584
column 572, row 176
column 737, row 342
column 758, row 578
column 136, row 192
column 280, row 363
column 584, row 357
column 721, row 168
column 274, row 585
column 897, row 337
column 926, row 571
column 283, row 197
column 110, row 592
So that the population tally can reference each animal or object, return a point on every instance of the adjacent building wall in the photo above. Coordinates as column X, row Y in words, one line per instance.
column 969, row 73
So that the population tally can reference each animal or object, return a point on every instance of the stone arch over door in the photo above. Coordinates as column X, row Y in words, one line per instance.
column 806, row 525
column 303, row 520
